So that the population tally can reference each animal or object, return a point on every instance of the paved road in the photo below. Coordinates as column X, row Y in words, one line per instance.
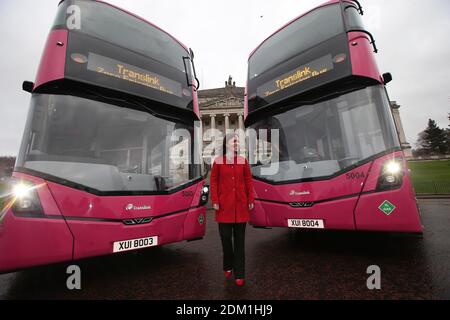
column 281, row 264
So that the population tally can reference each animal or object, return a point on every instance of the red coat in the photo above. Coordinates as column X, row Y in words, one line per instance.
column 232, row 188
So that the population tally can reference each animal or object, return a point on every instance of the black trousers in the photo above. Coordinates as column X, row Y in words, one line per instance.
column 233, row 245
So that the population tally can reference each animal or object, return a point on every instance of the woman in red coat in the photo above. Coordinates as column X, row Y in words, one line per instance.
column 232, row 197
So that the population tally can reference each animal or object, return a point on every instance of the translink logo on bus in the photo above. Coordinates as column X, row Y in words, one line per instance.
column 299, row 76
column 133, row 75
column 130, row 206
column 305, row 72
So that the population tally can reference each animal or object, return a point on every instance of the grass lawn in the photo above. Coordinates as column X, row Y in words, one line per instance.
column 430, row 176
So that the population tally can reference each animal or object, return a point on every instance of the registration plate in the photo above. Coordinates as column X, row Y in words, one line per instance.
column 133, row 244
column 306, row 223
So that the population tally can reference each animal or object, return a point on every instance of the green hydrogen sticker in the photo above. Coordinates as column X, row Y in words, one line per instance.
column 387, row 207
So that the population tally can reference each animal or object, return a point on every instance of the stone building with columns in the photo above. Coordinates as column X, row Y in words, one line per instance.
column 223, row 108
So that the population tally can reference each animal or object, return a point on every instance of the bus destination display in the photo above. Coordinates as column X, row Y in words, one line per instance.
column 303, row 73
column 130, row 73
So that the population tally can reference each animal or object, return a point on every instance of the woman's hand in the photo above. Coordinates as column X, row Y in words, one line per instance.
column 216, row 206
column 251, row 206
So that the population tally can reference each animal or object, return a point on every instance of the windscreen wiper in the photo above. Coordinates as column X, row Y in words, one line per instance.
column 360, row 9
column 372, row 39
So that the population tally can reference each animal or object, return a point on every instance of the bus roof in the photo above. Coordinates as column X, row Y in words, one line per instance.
column 146, row 21
column 295, row 19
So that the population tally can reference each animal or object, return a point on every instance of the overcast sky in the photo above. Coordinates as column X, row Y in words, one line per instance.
column 412, row 37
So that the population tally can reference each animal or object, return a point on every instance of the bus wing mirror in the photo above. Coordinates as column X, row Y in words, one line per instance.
column 191, row 52
column 387, row 77
column 27, row 86
column 191, row 59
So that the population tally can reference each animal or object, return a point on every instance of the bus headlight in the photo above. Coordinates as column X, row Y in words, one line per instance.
column 204, row 196
column 393, row 167
column 21, row 190
column 25, row 199
column 391, row 175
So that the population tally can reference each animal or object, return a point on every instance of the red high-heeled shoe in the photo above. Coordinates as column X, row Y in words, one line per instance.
column 240, row 282
column 227, row 273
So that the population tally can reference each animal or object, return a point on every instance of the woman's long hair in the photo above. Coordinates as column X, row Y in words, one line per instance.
column 227, row 138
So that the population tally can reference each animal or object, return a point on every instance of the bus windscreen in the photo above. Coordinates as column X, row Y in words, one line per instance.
column 306, row 54
column 116, row 50
column 105, row 147
column 310, row 30
column 321, row 140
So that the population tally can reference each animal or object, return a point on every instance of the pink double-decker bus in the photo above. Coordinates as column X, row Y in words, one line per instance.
column 107, row 161
column 331, row 158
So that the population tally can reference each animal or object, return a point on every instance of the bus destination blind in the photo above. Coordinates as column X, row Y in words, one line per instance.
column 132, row 74
column 308, row 71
